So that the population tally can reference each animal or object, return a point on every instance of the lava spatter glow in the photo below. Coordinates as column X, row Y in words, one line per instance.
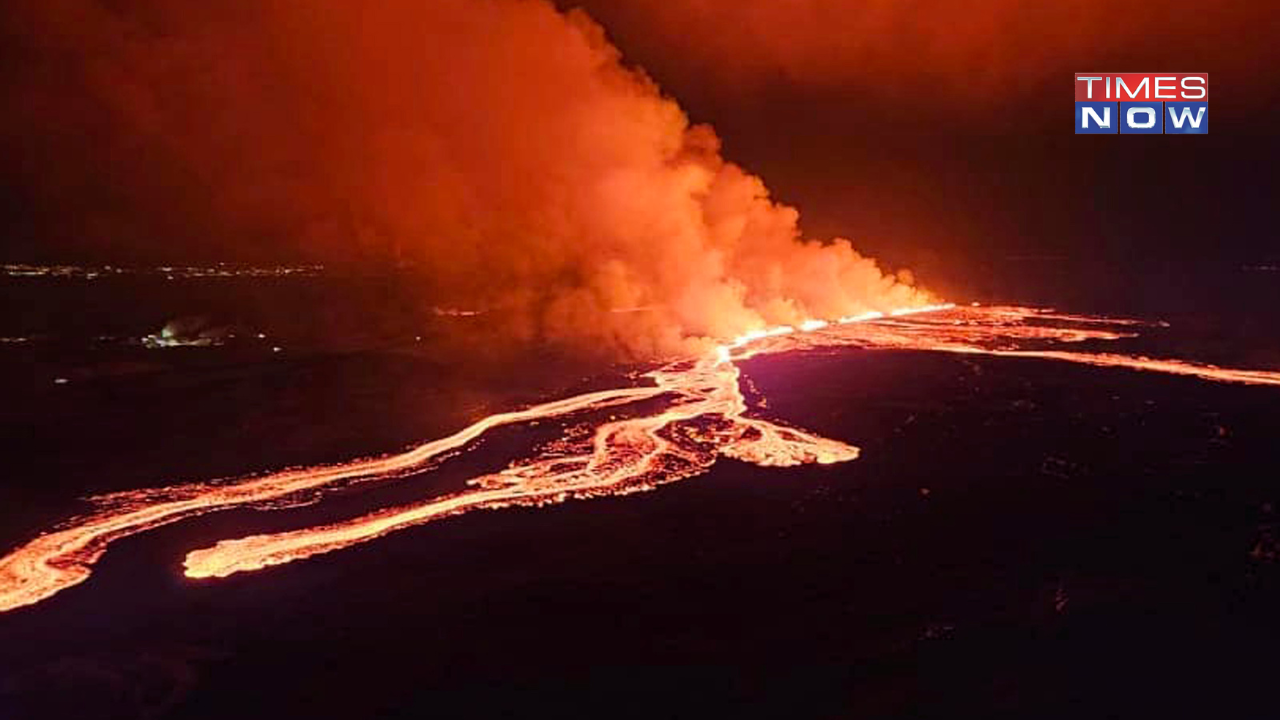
column 702, row 415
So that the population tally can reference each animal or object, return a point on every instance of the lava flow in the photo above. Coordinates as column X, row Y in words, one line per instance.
column 703, row 416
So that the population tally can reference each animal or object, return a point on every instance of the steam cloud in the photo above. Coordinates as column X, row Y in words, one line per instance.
column 501, row 146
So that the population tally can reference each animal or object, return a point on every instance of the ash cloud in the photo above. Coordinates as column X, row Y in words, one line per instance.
column 499, row 147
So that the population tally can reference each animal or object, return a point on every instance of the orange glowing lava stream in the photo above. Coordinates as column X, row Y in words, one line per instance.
column 60, row 559
column 964, row 329
column 1138, row 362
column 706, row 419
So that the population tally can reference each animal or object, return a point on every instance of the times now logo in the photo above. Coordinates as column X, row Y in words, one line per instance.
column 1142, row 103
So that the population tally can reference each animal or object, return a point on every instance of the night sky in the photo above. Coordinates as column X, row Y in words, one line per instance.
column 960, row 161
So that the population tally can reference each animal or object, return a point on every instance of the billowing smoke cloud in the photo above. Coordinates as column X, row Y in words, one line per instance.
column 499, row 146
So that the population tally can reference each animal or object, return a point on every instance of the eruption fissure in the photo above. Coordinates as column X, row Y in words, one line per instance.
column 705, row 415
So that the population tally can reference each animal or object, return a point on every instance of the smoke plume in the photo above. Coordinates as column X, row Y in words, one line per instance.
column 499, row 147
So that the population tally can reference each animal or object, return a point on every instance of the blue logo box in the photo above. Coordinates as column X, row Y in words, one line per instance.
column 1186, row 118
column 1142, row 118
column 1095, row 118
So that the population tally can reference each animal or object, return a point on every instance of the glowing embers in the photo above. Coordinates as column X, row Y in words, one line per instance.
column 694, row 413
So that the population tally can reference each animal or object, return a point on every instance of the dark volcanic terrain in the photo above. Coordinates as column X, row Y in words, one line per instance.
column 1019, row 538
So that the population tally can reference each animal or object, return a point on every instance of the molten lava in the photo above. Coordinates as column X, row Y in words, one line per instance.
column 703, row 415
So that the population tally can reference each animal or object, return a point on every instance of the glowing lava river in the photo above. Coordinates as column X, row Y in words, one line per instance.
column 701, row 414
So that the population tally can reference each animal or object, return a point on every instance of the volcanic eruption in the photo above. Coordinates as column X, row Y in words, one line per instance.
column 500, row 148
column 504, row 152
